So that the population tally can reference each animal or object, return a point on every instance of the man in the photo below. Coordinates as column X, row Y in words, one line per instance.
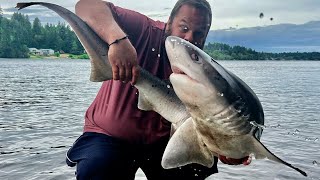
column 119, row 138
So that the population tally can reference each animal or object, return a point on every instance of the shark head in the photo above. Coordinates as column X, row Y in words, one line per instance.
column 189, row 68
column 196, row 80
column 208, row 90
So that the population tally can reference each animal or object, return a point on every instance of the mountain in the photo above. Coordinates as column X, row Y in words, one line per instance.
column 274, row 38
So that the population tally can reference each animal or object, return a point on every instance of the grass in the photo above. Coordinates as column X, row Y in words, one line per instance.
column 58, row 56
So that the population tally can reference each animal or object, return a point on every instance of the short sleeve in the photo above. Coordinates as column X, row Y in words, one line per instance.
column 132, row 23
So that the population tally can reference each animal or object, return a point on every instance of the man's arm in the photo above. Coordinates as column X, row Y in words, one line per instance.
column 122, row 55
column 231, row 161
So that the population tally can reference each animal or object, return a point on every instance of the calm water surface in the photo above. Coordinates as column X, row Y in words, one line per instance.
column 42, row 104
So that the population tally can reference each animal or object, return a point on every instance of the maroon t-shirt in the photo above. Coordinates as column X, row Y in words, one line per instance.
column 114, row 111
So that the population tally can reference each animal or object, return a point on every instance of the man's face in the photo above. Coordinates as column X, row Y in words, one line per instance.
column 190, row 24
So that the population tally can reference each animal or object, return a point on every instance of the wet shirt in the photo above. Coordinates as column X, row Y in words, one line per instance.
column 114, row 111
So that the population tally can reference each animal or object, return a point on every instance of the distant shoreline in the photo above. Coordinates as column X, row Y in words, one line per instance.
column 85, row 56
column 74, row 57
column 60, row 56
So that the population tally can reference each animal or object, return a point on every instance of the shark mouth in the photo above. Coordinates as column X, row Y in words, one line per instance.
column 176, row 70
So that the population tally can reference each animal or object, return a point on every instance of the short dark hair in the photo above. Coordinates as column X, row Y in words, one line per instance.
column 199, row 4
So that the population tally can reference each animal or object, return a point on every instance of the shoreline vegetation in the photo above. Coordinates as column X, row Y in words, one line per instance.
column 60, row 56
column 18, row 34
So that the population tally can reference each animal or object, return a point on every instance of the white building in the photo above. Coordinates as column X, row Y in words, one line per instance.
column 34, row 51
column 46, row 52
column 42, row 52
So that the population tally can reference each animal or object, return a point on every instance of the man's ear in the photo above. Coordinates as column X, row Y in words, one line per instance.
column 168, row 27
column 169, row 23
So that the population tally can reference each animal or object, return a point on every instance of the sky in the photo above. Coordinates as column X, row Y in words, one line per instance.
column 226, row 13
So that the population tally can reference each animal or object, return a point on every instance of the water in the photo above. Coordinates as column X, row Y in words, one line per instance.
column 42, row 104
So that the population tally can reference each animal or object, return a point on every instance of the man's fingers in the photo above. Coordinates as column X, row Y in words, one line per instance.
column 115, row 72
column 231, row 161
column 135, row 74
column 247, row 160
column 223, row 159
column 128, row 72
column 122, row 73
column 125, row 73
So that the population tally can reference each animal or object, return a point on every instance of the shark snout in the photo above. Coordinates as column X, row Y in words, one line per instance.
column 171, row 42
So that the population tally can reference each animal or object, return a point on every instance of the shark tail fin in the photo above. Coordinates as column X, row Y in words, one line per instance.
column 262, row 152
column 24, row 5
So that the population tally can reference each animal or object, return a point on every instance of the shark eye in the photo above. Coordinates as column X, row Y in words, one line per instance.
column 195, row 57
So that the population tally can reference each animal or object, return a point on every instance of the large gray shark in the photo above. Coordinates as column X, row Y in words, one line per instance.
column 223, row 123
column 227, row 116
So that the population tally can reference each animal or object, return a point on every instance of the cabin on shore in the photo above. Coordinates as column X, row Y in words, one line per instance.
column 41, row 52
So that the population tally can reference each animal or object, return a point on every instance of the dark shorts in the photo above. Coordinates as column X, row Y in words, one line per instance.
column 98, row 156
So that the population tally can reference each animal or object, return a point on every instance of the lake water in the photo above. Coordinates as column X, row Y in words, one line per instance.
column 42, row 104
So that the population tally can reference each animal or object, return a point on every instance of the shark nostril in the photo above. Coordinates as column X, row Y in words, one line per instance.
column 172, row 41
column 173, row 44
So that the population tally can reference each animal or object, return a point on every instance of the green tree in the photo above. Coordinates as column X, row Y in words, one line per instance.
column 1, row 12
column 22, row 29
column 17, row 34
column 37, row 33
column 4, row 37
column 225, row 52
column 1, row 28
column 12, row 39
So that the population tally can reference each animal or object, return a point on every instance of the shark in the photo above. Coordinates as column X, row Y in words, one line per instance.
column 226, row 115
column 212, row 111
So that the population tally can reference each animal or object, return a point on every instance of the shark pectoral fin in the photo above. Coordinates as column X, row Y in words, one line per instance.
column 261, row 152
column 95, row 75
column 100, row 71
column 184, row 148
column 143, row 103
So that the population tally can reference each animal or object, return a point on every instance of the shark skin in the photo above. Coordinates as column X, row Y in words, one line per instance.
column 226, row 114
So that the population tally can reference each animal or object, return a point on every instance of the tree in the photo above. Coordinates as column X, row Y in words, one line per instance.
column 21, row 28
column 18, row 33
column 36, row 33
column 1, row 28
column 13, row 36
column 1, row 12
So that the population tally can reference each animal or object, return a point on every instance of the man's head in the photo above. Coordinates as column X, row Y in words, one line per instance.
column 190, row 20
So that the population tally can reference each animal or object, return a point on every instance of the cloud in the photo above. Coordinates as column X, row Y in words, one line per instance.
column 12, row 3
column 245, row 13
column 226, row 13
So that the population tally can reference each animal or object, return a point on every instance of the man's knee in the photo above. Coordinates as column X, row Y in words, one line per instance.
column 90, row 167
column 97, row 168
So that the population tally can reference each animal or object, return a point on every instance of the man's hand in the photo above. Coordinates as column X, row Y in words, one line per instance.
column 231, row 161
column 122, row 55
column 123, row 60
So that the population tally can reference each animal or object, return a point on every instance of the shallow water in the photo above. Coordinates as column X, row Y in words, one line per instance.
column 42, row 104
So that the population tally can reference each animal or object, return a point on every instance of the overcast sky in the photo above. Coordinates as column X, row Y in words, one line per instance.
column 226, row 13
